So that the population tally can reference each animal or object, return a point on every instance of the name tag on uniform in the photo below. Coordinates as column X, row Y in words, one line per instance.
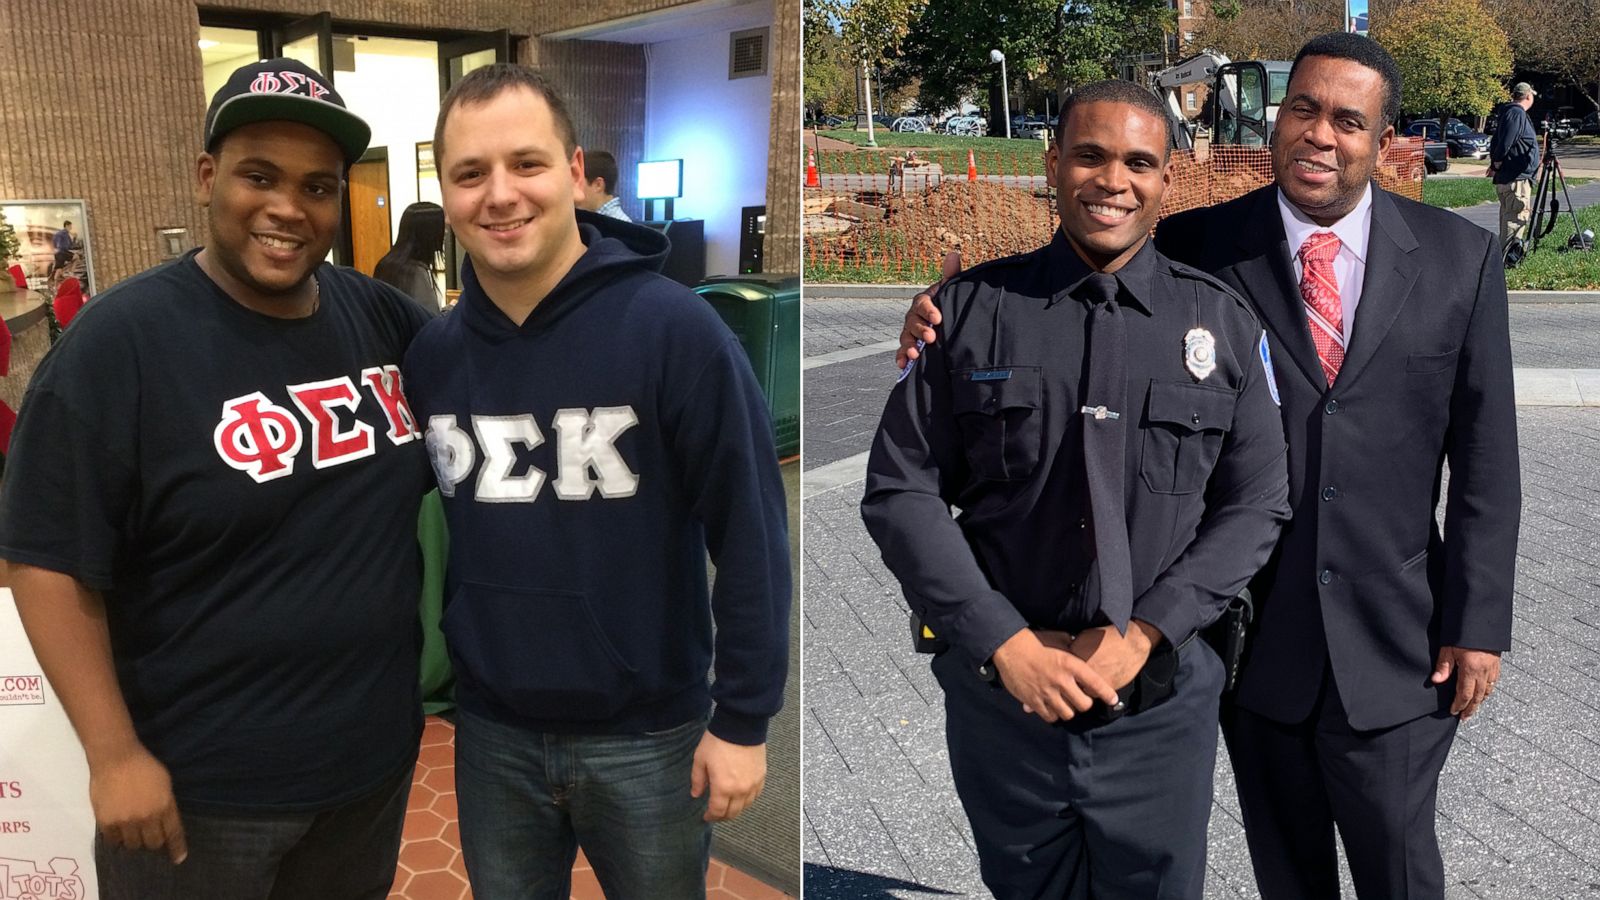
column 990, row 375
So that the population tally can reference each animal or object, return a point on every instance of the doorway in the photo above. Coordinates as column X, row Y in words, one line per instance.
column 369, row 210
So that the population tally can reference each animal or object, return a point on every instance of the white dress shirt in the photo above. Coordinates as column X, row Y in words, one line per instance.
column 1350, row 265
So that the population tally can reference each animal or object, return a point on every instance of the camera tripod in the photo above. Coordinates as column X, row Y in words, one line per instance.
column 1545, row 185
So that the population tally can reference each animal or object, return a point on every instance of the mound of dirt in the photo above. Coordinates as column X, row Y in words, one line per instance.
column 981, row 219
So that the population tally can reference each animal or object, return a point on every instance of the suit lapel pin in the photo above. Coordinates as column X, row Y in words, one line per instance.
column 1200, row 353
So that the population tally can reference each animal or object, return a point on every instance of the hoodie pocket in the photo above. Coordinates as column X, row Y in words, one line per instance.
column 540, row 653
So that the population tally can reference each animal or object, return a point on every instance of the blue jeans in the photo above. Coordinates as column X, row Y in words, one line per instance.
column 345, row 853
column 529, row 799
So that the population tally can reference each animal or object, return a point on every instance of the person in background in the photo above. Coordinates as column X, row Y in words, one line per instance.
column 1513, row 161
column 409, row 263
column 600, row 188
column 62, row 244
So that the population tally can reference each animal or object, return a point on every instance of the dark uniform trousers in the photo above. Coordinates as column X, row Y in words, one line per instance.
column 1089, row 809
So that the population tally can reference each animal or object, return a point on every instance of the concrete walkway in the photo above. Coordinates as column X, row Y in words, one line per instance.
column 881, row 821
column 1487, row 215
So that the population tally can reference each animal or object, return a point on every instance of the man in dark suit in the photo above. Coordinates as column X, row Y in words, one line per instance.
column 1377, row 632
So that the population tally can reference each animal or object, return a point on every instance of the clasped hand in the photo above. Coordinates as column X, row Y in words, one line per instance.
column 1056, row 675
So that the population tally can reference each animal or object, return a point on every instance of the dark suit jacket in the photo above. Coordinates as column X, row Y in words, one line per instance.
column 1362, row 577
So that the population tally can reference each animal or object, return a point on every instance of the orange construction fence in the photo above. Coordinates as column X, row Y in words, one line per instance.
column 876, row 216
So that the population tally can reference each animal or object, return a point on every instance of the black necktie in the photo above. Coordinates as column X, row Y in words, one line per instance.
column 1104, row 431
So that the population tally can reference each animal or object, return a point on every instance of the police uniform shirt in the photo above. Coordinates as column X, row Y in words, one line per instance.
column 989, row 421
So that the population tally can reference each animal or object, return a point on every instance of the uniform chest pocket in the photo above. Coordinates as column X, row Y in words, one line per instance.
column 1183, row 431
column 1001, row 416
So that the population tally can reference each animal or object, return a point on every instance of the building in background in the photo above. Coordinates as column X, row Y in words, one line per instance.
column 1139, row 68
column 104, row 101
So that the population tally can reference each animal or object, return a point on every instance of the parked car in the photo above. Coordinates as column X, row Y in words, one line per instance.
column 915, row 124
column 1464, row 142
column 1591, row 124
column 828, row 121
column 1436, row 153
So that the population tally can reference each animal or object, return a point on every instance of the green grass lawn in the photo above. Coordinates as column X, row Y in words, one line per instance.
column 1453, row 192
column 887, row 138
column 1550, row 269
column 1012, row 157
column 847, row 273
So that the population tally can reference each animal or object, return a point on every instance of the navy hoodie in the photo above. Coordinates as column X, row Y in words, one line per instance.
column 588, row 459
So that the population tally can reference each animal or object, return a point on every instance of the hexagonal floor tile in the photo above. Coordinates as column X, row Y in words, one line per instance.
column 431, row 867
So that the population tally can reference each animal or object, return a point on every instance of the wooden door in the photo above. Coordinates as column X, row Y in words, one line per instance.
column 369, row 213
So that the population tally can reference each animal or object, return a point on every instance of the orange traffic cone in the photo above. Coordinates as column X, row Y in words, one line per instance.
column 811, row 169
column 972, row 166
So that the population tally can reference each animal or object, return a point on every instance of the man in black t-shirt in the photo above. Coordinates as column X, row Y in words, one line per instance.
column 210, row 515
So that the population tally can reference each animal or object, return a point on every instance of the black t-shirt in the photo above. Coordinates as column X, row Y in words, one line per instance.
column 244, row 492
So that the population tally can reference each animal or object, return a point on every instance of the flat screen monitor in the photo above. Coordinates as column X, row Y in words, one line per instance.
column 661, row 178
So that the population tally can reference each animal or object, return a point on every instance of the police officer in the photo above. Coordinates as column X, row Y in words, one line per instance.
column 1105, row 420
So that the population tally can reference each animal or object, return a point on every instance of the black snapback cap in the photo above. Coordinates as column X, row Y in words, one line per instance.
column 284, row 89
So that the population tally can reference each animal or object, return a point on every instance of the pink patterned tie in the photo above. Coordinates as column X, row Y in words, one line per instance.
column 1320, row 291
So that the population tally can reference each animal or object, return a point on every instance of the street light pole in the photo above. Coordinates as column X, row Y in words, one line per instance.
column 1005, row 93
column 866, row 77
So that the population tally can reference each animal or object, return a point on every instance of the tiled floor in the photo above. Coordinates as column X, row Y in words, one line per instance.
column 430, row 855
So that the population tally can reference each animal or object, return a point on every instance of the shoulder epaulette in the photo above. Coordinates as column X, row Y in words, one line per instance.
column 1181, row 270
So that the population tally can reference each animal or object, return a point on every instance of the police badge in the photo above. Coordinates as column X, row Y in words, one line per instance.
column 1200, row 353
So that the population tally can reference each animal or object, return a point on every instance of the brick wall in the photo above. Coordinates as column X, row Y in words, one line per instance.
column 781, row 251
column 604, row 87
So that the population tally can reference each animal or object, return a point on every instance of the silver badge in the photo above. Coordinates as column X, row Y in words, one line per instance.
column 1200, row 353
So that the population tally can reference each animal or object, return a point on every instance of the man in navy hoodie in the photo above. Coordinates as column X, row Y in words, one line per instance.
column 594, row 428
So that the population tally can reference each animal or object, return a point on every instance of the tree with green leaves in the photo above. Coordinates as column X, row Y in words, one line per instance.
column 1062, row 44
column 872, row 29
column 877, row 27
column 1264, row 29
column 1560, row 37
column 830, row 73
column 1453, row 57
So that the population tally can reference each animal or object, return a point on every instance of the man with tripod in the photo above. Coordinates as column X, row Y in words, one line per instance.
column 1513, row 160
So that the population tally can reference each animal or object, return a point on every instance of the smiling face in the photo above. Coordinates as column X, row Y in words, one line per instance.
column 1110, row 172
column 510, row 190
column 273, row 189
column 1329, row 136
